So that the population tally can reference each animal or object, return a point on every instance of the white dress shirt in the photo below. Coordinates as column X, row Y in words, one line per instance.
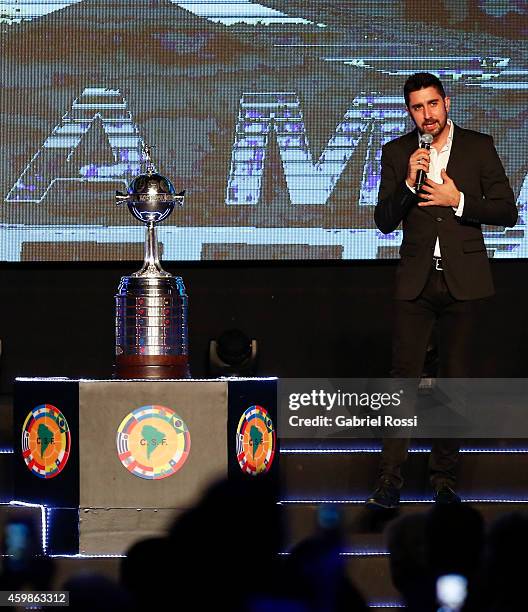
column 437, row 162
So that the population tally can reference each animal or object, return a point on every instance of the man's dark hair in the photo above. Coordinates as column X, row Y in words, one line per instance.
column 422, row 80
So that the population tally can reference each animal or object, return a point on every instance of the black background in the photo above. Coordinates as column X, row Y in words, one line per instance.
column 321, row 319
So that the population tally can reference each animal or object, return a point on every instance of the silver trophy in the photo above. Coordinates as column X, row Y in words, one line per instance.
column 151, row 304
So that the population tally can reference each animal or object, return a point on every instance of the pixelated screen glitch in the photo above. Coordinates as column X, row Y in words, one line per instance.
column 271, row 114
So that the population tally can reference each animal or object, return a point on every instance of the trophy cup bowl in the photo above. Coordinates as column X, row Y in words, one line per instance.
column 151, row 197
column 151, row 304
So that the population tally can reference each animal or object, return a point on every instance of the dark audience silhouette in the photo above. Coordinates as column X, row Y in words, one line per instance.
column 229, row 551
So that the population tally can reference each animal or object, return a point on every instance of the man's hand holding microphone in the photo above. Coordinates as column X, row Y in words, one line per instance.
column 432, row 194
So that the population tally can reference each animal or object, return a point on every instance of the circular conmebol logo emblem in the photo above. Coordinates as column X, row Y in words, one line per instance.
column 255, row 441
column 46, row 441
column 153, row 442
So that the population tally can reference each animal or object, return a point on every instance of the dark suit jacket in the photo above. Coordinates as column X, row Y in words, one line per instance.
column 488, row 198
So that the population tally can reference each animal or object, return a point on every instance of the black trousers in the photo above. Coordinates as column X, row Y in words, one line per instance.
column 413, row 323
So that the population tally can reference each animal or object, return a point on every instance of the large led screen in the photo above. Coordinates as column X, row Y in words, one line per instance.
column 270, row 114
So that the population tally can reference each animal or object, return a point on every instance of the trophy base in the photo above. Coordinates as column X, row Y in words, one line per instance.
column 152, row 366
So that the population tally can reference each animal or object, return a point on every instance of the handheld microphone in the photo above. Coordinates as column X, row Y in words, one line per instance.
column 421, row 175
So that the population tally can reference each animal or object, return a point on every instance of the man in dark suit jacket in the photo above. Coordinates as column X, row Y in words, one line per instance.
column 444, row 268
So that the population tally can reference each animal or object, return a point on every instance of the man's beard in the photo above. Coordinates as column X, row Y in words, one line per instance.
column 437, row 128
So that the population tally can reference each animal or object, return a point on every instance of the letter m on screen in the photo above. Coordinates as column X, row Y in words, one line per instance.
column 375, row 118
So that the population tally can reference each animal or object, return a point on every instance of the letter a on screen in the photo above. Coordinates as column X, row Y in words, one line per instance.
column 115, row 147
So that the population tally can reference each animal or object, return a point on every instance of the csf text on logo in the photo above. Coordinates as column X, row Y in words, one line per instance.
column 153, row 442
column 324, row 399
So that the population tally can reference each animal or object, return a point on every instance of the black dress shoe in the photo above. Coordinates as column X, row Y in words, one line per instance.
column 385, row 496
column 446, row 495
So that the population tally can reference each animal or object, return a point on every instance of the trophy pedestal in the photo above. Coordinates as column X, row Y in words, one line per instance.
column 152, row 366
column 116, row 468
